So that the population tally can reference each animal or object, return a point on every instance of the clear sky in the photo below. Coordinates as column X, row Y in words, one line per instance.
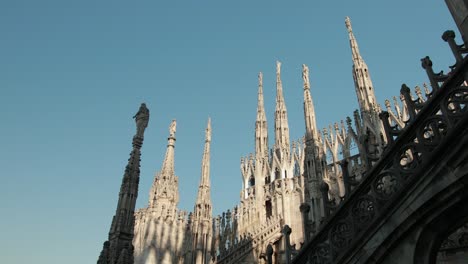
column 73, row 73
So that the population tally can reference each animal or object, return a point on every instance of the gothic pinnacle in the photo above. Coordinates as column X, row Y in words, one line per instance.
column 208, row 131
column 348, row 24
column 281, row 117
column 205, row 177
column 261, row 129
column 260, row 105
column 202, row 214
column 309, row 110
column 361, row 75
column 119, row 248
column 165, row 186
column 168, row 164
column 353, row 43
column 279, row 85
column 305, row 76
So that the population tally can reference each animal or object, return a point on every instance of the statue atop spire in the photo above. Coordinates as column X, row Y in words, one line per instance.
column 305, row 76
column 141, row 119
column 172, row 128
column 118, row 249
column 208, row 131
column 348, row 24
column 165, row 189
column 260, row 79
column 278, row 70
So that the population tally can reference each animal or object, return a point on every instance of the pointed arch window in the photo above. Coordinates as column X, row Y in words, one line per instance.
column 277, row 174
column 297, row 170
column 268, row 209
column 251, row 181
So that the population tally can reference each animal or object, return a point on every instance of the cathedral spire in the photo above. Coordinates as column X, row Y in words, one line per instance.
column 309, row 110
column 281, row 118
column 119, row 249
column 353, row 43
column 202, row 214
column 165, row 190
column 372, row 125
column 168, row 164
column 362, row 80
column 261, row 129
column 204, row 188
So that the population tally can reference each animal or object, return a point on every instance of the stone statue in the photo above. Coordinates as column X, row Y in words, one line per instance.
column 172, row 128
column 348, row 24
column 260, row 79
column 305, row 76
column 142, row 119
column 208, row 131
column 278, row 68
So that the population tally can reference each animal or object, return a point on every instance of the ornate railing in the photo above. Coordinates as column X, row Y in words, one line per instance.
column 410, row 150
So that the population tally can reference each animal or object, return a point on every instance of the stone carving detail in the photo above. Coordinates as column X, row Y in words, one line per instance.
column 340, row 234
column 408, row 158
column 434, row 129
column 409, row 147
column 321, row 255
column 386, row 184
column 456, row 240
column 456, row 101
column 349, row 172
column 363, row 210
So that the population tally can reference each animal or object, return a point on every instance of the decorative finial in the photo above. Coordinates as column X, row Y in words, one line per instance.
column 388, row 105
column 348, row 24
column 426, row 89
column 172, row 128
column 260, row 79
column 208, row 131
column 348, row 121
column 305, row 76
column 278, row 68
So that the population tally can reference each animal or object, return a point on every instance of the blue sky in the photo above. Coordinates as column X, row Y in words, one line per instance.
column 73, row 73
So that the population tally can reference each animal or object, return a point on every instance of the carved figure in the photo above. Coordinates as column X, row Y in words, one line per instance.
column 172, row 128
column 305, row 75
column 142, row 119
column 278, row 68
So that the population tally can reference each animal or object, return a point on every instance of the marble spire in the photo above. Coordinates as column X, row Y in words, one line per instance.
column 202, row 232
column 118, row 249
column 261, row 128
column 362, row 81
column 168, row 164
column 204, row 187
column 282, row 141
column 165, row 189
column 309, row 110
column 371, row 123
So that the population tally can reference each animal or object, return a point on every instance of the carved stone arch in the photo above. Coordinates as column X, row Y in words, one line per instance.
column 437, row 230
column 419, row 235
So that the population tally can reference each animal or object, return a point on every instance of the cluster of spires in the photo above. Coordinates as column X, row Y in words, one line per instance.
column 118, row 249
